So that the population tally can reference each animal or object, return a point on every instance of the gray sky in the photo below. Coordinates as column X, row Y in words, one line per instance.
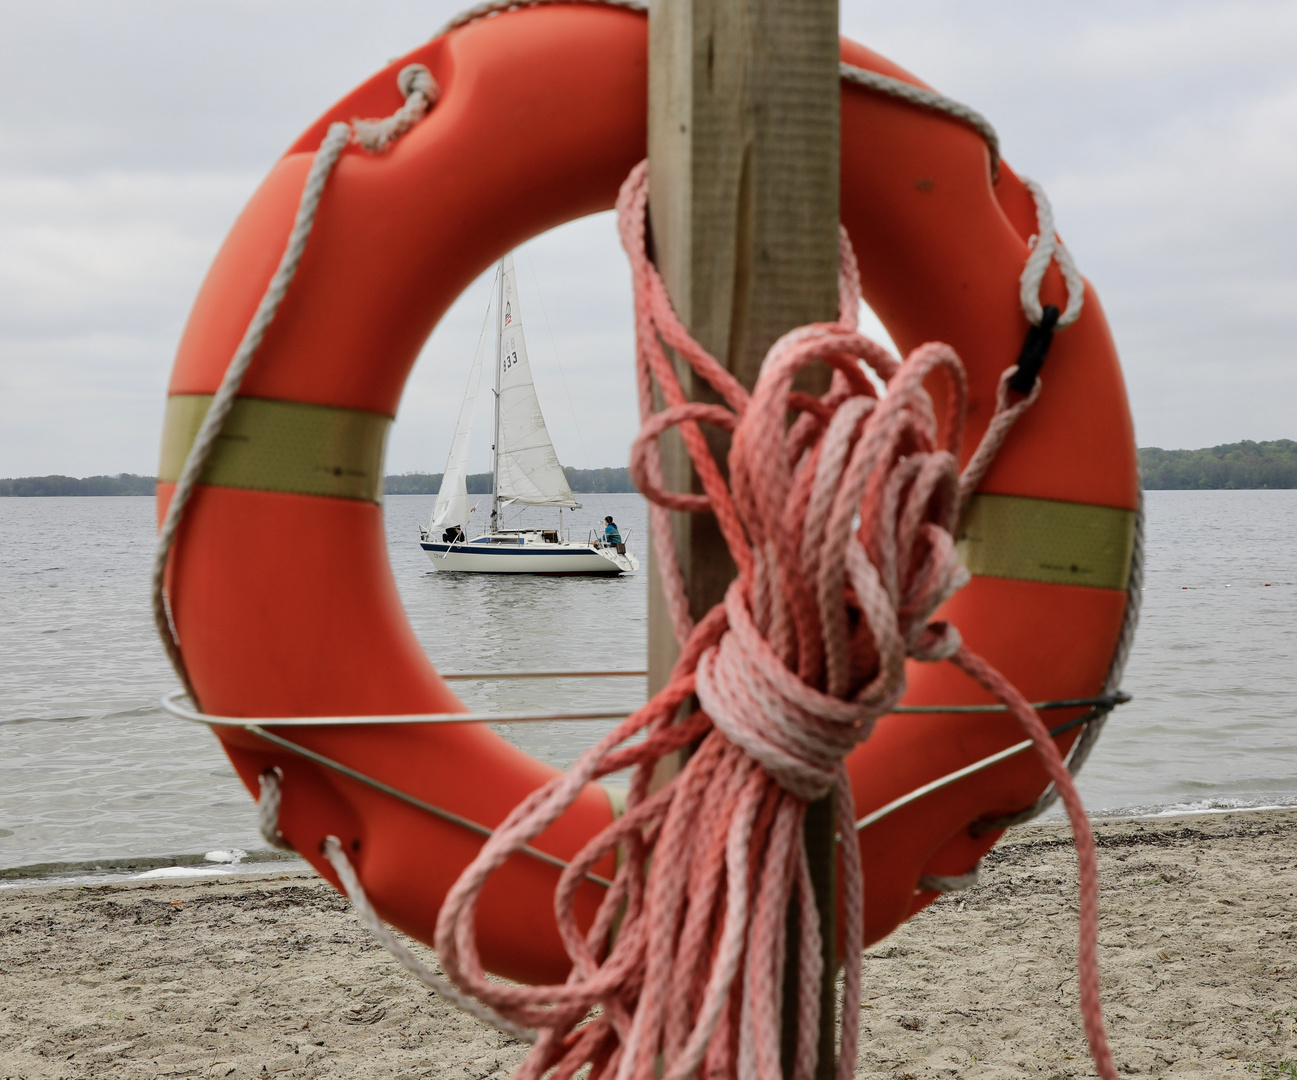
column 131, row 133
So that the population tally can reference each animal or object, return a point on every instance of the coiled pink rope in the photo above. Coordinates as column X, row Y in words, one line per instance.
column 840, row 524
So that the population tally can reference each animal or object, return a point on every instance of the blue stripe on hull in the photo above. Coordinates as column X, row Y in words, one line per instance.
column 469, row 549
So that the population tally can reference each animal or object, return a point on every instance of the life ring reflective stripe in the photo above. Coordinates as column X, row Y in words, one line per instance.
column 287, row 446
column 1056, row 543
column 279, row 584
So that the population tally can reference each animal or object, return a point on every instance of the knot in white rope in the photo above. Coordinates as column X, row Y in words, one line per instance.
column 421, row 92
column 1047, row 247
column 415, row 78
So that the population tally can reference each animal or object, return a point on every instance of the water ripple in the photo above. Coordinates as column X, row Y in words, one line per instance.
column 91, row 769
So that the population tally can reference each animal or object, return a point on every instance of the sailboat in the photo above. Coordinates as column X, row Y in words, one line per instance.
column 525, row 471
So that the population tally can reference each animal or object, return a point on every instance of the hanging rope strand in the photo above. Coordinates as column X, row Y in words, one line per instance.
column 840, row 525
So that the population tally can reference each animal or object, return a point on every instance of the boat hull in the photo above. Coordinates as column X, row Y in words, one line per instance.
column 549, row 559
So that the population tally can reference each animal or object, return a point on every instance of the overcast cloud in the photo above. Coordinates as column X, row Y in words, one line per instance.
column 131, row 133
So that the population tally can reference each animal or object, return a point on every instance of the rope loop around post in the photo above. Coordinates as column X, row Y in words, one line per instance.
column 840, row 523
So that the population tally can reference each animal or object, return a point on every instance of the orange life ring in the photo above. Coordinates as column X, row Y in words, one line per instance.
column 279, row 583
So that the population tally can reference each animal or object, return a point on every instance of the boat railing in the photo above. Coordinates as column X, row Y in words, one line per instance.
column 596, row 539
column 425, row 536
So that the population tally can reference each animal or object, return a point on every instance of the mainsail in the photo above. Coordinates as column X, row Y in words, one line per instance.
column 527, row 469
column 451, row 508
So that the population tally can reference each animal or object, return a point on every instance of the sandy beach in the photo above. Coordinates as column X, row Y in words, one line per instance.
column 272, row 975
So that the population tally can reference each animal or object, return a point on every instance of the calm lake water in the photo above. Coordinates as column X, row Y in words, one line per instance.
column 91, row 768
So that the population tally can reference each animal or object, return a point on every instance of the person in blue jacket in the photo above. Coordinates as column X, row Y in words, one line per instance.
column 611, row 535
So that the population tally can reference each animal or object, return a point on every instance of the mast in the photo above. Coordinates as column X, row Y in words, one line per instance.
column 495, row 434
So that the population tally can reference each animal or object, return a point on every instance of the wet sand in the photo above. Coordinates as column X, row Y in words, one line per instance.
column 273, row 976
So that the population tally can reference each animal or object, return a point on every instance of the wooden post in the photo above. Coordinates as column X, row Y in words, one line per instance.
column 743, row 205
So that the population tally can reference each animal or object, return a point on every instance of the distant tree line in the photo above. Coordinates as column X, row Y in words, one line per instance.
column 423, row 483
column 581, row 481
column 1233, row 465
column 121, row 484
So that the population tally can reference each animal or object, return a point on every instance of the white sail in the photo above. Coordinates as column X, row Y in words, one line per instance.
column 527, row 469
column 452, row 508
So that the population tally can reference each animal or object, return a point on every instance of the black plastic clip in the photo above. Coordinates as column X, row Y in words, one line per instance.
column 1034, row 350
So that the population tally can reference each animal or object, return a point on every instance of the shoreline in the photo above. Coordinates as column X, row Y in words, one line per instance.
column 124, row 869
column 269, row 972
column 145, row 868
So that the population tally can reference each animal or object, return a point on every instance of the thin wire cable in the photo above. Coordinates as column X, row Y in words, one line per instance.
column 448, row 816
column 171, row 703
